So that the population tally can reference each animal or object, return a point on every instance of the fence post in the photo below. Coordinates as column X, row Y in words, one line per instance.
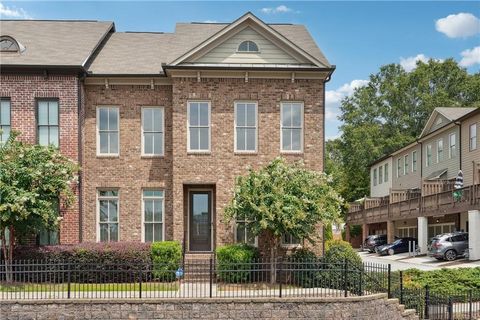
column 279, row 279
column 389, row 281
column 401, row 287
column 345, row 275
column 211, row 277
column 450, row 308
column 362, row 270
column 470, row 304
column 427, row 302
column 140, row 284
column 69, row 279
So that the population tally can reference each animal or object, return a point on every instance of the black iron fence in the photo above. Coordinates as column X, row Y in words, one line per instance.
column 32, row 279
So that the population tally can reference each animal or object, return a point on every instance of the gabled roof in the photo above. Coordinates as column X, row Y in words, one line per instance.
column 249, row 19
column 451, row 114
column 53, row 42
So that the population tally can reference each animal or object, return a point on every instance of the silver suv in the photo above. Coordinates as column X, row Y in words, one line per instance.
column 449, row 246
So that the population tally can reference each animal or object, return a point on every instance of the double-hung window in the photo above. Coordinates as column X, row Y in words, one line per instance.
column 245, row 127
column 108, row 140
column 439, row 150
column 46, row 236
column 152, row 131
column 414, row 161
column 4, row 120
column 243, row 232
column 473, row 137
column 380, row 175
column 375, row 176
column 385, row 176
column 153, row 206
column 108, row 213
column 292, row 127
column 399, row 166
column 47, row 122
column 428, row 159
column 405, row 164
column 199, row 126
column 452, row 148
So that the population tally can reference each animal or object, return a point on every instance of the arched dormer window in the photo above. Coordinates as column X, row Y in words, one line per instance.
column 9, row 44
column 248, row 46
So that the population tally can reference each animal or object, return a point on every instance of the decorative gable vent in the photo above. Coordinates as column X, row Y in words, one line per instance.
column 9, row 44
column 248, row 46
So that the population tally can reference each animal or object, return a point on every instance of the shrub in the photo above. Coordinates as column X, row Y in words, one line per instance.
column 166, row 258
column 339, row 251
column 328, row 234
column 305, row 269
column 235, row 262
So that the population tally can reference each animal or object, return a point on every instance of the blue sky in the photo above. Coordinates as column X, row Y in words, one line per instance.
column 358, row 37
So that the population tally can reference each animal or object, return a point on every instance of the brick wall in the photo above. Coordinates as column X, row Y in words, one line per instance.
column 367, row 307
column 23, row 91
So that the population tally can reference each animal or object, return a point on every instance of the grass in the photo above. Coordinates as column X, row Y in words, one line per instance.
column 88, row 287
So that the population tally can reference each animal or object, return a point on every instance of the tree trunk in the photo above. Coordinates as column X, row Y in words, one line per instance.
column 8, row 252
column 273, row 260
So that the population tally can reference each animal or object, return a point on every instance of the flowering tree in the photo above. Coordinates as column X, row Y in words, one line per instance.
column 284, row 198
column 32, row 179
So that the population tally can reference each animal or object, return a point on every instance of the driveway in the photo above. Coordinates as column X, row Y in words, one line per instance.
column 402, row 261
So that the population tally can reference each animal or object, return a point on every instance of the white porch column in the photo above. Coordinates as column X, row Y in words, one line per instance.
column 422, row 234
column 473, row 234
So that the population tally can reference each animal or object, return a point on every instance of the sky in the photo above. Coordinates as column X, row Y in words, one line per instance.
column 358, row 37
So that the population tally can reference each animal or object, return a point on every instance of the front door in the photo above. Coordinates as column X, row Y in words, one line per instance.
column 200, row 220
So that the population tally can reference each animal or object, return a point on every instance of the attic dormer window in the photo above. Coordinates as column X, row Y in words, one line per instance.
column 8, row 44
column 248, row 46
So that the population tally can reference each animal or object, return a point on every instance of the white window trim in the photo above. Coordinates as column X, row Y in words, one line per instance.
column 209, row 127
column 99, row 154
column 380, row 175
column 235, row 232
column 450, row 145
column 438, row 149
column 290, row 245
column 426, row 155
column 235, row 127
column 238, row 46
column 152, row 155
column 375, row 177
column 414, row 162
column 143, row 211
column 9, row 125
column 473, row 125
column 405, row 164
column 399, row 166
column 386, row 173
column 302, row 127
column 98, row 210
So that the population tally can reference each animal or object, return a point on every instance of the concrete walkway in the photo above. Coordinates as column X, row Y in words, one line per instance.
column 402, row 261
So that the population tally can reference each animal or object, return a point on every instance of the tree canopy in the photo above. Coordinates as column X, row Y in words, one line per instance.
column 284, row 198
column 33, row 179
column 390, row 112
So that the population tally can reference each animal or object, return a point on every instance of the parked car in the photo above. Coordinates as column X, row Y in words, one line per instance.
column 449, row 246
column 398, row 246
column 374, row 241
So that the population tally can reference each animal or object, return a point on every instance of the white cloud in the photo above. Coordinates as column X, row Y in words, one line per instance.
column 280, row 9
column 410, row 63
column 470, row 57
column 12, row 12
column 459, row 25
column 334, row 97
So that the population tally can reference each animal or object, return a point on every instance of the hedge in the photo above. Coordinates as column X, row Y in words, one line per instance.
column 234, row 262
column 166, row 258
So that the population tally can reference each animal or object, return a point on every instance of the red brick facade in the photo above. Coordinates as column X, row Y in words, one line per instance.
column 24, row 92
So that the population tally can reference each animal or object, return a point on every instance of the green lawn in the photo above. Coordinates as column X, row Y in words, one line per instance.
column 88, row 287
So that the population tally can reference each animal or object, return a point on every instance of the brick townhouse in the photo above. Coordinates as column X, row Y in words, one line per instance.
column 164, row 123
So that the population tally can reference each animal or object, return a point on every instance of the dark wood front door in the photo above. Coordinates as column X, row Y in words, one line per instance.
column 200, row 220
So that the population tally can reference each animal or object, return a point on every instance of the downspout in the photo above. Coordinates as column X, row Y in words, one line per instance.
column 80, row 79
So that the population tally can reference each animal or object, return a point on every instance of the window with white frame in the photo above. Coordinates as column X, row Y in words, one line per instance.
column 452, row 145
column 199, row 126
column 428, row 159
column 153, row 208
column 4, row 120
column 47, row 122
column 405, row 164
column 243, row 232
column 108, row 140
column 108, row 215
column 245, row 126
column 439, row 150
column 375, row 176
column 289, row 240
column 292, row 126
column 385, row 176
column 49, row 236
column 152, row 131
column 248, row 46
column 380, row 175
column 399, row 166
column 473, row 137
column 414, row 161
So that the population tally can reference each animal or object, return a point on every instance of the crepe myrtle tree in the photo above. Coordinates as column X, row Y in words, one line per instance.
column 33, row 179
column 284, row 198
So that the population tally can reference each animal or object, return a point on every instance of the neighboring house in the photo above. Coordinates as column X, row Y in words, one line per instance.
column 168, row 120
column 421, row 202
column 381, row 177
column 42, row 65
